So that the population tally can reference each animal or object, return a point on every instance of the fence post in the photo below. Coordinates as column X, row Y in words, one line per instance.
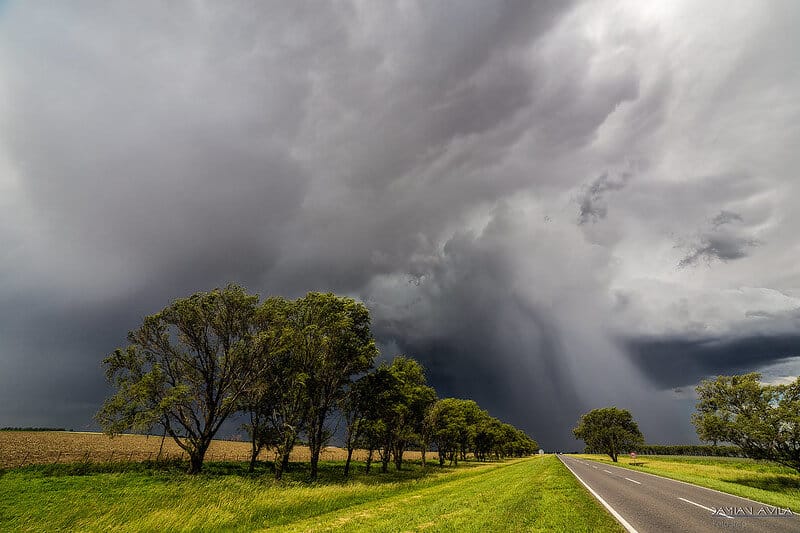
column 25, row 458
column 57, row 457
column 130, row 457
column 86, row 457
column 111, row 459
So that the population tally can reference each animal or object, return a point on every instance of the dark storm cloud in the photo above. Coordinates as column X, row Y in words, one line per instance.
column 150, row 150
column 673, row 362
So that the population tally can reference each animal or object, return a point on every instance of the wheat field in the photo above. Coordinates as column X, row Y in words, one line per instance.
column 18, row 448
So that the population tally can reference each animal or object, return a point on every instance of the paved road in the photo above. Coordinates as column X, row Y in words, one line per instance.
column 645, row 502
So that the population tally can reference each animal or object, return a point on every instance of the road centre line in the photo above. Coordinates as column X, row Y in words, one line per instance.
column 693, row 485
column 607, row 471
column 706, row 508
column 610, row 509
column 633, row 481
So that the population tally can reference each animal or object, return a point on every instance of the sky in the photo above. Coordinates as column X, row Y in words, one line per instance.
column 553, row 206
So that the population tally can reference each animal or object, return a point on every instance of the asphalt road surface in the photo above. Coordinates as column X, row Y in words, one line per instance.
column 647, row 503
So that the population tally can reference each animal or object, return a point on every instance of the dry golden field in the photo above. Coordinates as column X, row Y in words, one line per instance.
column 19, row 448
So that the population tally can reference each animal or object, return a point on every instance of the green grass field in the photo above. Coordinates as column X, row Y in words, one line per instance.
column 762, row 481
column 534, row 494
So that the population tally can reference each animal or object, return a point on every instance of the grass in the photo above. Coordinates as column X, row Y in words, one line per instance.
column 534, row 494
column 762, row 481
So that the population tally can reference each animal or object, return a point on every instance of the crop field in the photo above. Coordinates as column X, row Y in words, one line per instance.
column 18, row 448
column 532, row 494
column 762, row 481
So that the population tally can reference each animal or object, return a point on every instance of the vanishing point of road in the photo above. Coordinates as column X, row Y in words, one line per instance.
column 647, row 503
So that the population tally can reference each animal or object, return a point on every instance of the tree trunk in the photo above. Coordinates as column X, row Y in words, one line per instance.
column 398, row 456
column 385, row 459
column 347, row 462
column 253, row 456
column 424, row 450
column 369, row 460
column 196, row 460
column 315, row 444
column 161, row 446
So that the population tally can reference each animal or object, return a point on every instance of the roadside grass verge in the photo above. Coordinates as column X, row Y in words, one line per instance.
column 762, row 481
column 536, row 494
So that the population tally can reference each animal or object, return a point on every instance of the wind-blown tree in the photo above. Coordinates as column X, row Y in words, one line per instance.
column 408, row 416
column 274, row 402
column 488, row 437
column 186, row 368
column 331, row 338
column 355, row 406
column 399, row 399
column 763, row 420
column 473, row 415
column 609, row 430
column 448, row 423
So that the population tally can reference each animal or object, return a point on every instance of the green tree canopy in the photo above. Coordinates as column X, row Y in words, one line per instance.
column 331, row 339
column 763, row 420
column 609, row 430
column 185, row 368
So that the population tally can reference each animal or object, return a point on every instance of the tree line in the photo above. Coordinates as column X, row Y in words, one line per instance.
column 757, row 420
column 290, row 368
column 689, row 449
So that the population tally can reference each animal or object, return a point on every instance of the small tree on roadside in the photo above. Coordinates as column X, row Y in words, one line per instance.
column 609, row 430
column 763, row 420
column 186, row 368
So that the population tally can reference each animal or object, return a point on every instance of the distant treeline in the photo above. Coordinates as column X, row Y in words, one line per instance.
column 31, row 429
column 690, row 449
column 680, row 449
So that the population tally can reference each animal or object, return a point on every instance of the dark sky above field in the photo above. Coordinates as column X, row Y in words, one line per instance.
column 554, row 206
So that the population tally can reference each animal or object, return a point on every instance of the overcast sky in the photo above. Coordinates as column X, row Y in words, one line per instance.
column 553, row 206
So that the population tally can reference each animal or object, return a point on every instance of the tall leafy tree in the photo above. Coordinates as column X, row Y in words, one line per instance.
column 355, row 407
column 447, row 422
column 407, row 417
column 609, row 430
column 186, row 368
column 763, row 420
column 331, row 338
column 275, row 401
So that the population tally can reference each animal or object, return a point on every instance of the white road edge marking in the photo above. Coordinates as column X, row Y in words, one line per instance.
column 610, row 509
column 607, row 471
column 594, row 467
column 693, row 485
column 633, row 481
column 706, row 508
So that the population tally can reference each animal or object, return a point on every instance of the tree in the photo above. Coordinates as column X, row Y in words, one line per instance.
column 763, row 420
column 406, row 423
column 609, row 430
column 186, row 368
column 275, row 400
column 448, row 422
column 354, row 406
column 331, row 338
